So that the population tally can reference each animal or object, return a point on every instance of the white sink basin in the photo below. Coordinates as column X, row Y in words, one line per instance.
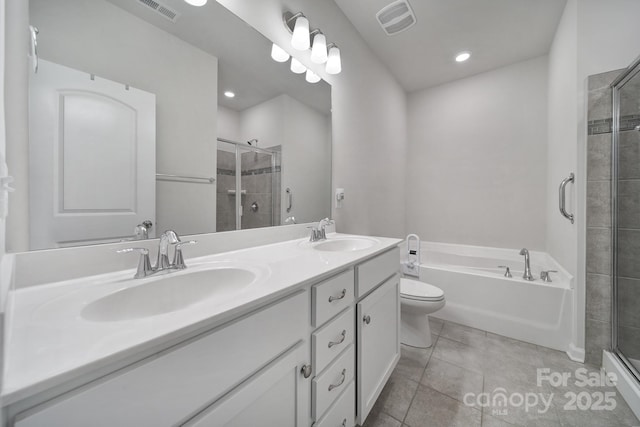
column 169, row 293
column 345, row 245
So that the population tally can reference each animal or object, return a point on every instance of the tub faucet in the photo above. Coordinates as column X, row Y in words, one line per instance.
column 527, row 266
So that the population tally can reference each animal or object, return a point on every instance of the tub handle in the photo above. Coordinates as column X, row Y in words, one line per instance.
column 545, row 276
column 563, row 197
column 507, row 272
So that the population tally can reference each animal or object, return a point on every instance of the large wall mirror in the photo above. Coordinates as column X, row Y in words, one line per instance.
column 133, row 130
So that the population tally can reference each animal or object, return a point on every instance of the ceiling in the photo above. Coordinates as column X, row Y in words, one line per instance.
column 244, row 55
column 496, row 32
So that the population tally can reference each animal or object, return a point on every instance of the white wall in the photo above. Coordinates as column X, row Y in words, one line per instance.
column 306, row 162
column 102, row 39
column 562, row 157
column 16, row 116
column 562, row 136
column 476, row 168
column 303, row 134
column 228, row 123
column 368, row 121
column 266, row 121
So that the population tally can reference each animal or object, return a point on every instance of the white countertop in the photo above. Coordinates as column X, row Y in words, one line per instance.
column 49, row 343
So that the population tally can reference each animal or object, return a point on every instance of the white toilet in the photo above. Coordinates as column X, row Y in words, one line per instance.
column 417, row 300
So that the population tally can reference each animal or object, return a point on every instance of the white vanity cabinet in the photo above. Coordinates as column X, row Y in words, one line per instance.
column 317, row 357
column 378, row 327
column 261, row 350
column 276, row 396
column 371, row 292
column 378, row 317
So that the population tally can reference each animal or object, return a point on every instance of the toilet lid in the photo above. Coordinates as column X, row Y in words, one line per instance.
column 414, row 289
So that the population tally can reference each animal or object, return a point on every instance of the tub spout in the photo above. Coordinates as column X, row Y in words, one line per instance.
column 527, row 266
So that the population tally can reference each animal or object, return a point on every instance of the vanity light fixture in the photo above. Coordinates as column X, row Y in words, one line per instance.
column 229, row 94
column 196, row 2
column 334, row 63
column 297, row 66
column 321, row 52
column 463, row 56
column 319, row 48
column 300, row 39
column 279, row 54
column 312, row 77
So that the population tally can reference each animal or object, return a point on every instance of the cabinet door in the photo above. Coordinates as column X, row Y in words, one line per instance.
column 378, row 343
column 278, row 395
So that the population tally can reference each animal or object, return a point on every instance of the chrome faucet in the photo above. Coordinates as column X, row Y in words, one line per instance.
column 320, row 233
column 527, row 266
column 168, row 238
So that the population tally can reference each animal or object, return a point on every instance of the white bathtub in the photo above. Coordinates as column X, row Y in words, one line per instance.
column 478, row 294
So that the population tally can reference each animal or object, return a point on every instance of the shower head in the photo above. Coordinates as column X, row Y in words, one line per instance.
column 253, row 141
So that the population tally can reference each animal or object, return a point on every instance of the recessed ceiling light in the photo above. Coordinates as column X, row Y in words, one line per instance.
column 196, row 2
column 229, row 94
column 463, row 56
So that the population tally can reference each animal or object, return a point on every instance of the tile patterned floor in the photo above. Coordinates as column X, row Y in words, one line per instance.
column 428, row 387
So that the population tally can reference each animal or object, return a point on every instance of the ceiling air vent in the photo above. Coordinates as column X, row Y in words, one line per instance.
column 161, row 9
column 395, row 17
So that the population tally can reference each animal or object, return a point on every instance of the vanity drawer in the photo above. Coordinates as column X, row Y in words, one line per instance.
column 328, row 386
column 376, row 270
column 167, row 388
column 331, row 297
column 329, row 341
column 342, row 413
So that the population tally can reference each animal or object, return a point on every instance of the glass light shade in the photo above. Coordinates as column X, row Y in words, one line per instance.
column 300, row 38
column 334, row 64
column 278, row 54
column 196, row 2
column 319, row 49
column 297, row 67
column 312, row 77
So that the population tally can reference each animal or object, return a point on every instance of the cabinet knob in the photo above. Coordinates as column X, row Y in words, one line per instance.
column 367, row 319
column 306, row 371
column 344, row 423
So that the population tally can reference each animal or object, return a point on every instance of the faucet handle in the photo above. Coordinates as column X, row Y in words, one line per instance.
column 144, row 264
column 178, row 259
column 545, row 276
column 507, row 272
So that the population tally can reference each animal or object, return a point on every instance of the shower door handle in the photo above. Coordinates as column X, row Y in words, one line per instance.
column 290, row 197
column 563, row 197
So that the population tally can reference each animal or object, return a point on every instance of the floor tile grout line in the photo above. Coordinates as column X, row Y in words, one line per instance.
column 433, row 344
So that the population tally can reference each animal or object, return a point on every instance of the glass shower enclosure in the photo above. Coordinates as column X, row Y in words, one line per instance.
column 626, row 218
column 248, row 190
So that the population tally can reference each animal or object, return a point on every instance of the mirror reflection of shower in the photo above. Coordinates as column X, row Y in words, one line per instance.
column 249, row 180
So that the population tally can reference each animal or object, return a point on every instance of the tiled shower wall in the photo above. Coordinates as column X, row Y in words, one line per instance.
column 599, row 271
column 599, row 223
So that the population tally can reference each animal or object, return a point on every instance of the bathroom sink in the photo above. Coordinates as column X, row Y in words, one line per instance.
column 350, row 244
column 169, row 293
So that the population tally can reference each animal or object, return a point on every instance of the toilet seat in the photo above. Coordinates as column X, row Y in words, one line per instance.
column 420, row 291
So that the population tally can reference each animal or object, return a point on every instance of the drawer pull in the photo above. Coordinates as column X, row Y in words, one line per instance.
column 367, row 319
column 306, row 371
column 340, row 341
column 344, row 376
column 342, row 295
